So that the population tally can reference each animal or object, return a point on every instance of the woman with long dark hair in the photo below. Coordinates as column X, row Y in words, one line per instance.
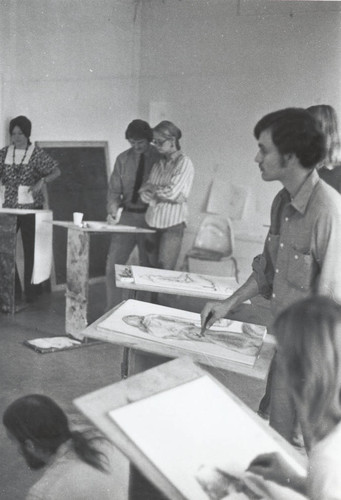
column 309, row 346
column 76, row 466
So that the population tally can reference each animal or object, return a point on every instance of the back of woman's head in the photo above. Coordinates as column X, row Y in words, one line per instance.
column 327, row 119
column 38, row 418
column 169, row 131
column 309, row 338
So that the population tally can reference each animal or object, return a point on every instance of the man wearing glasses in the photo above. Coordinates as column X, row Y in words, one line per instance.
column 131, row 170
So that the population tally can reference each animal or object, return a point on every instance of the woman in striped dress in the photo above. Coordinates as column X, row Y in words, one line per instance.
column 166, row 193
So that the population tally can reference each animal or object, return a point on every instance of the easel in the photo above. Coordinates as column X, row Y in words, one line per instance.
column 96, row 406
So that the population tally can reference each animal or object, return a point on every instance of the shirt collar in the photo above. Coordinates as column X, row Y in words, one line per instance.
column 302, row 197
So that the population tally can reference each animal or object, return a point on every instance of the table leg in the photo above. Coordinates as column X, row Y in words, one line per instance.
column 8, row 241
column 125, row 363
column 77, row 282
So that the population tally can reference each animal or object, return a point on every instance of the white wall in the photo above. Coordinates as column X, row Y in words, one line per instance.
column 221, row 65
column 72, row 67
column 82, row 69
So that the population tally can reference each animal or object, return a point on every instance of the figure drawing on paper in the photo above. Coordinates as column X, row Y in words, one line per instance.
column 186, row 279
column 218, row 484
column 172, row 327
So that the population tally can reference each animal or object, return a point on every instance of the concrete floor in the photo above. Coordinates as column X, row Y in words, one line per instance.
column 64, row 375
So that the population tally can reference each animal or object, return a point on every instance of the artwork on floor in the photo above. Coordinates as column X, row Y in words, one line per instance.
column 202, row 440
column 184, row 281
column 226, row 339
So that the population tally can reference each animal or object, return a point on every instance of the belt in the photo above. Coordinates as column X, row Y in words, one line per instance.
column 136, row 210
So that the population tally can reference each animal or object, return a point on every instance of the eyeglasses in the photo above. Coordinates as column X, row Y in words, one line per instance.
column 159, row 142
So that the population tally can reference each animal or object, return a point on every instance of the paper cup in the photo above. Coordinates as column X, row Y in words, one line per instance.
column 77, row 218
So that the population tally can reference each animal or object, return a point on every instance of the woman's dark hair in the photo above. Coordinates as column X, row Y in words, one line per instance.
column 327, row 119
column 39, row 419
column 23, row 123
column 139, row 129
column 295, row 130
column 309, row 339
column 169, row 131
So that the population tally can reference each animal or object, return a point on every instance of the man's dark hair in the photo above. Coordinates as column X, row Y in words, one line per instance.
column 295, row 130
column 139, row 129
column 40, row 419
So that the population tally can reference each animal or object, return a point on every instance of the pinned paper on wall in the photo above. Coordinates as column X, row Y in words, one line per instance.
column 231, row 199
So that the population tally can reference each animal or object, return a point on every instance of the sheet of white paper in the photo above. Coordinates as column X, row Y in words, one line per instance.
column 184, row 281
column 193, row 425
column 42, row 247
column 230, row 200
column 170, row 326
column 24, row 195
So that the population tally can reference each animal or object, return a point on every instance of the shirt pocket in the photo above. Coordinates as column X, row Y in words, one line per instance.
column 301, row 268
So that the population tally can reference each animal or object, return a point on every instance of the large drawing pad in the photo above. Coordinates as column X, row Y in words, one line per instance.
column 198, row 424
column 116, row 322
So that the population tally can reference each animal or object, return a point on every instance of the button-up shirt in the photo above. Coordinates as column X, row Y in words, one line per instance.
column 173, row 179
column 122, row 180
column 302, row 252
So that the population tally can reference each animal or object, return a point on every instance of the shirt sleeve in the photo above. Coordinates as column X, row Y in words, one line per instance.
column 327, row 254
column 115, row 189
column 180, row 185
column 45, row 164
column 147, row 197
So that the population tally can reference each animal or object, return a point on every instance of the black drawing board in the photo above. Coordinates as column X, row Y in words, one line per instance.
column 81, row 187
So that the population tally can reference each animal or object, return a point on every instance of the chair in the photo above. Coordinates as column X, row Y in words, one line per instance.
column 214, row 242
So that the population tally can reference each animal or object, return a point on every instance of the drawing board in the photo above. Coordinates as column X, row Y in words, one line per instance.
column 226, row 339
column 184, row 281
column 194, row 431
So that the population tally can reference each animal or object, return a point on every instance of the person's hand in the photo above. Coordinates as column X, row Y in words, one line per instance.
column 148, row 189
column 273, row 467
column 111, row 220
column 37, row 187
column 214, row 311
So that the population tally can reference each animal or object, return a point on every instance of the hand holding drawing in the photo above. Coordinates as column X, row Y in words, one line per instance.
column 273, row 467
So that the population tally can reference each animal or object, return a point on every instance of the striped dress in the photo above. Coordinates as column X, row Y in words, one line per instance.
column 172, row 179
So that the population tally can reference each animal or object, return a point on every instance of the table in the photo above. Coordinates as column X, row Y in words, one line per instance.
column 77, row 269
column 8, row 244
column 145, row 354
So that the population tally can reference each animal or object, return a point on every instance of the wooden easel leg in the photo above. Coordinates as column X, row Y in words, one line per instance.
column 77, row 282
column 125, row 363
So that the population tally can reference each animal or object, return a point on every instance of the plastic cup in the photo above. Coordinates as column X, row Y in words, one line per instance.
column 77, row 218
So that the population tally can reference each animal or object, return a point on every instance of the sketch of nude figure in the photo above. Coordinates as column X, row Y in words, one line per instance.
column 218, row 485
column 171, row 327
column 190, row 280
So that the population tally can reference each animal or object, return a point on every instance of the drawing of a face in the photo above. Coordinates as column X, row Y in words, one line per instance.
column 133, row 320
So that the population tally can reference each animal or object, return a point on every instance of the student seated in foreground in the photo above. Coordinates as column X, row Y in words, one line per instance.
column 77, row 468
column 309, row 339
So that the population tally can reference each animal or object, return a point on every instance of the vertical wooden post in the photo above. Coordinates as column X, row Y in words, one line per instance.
column 8, row 238
column 77, row 282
